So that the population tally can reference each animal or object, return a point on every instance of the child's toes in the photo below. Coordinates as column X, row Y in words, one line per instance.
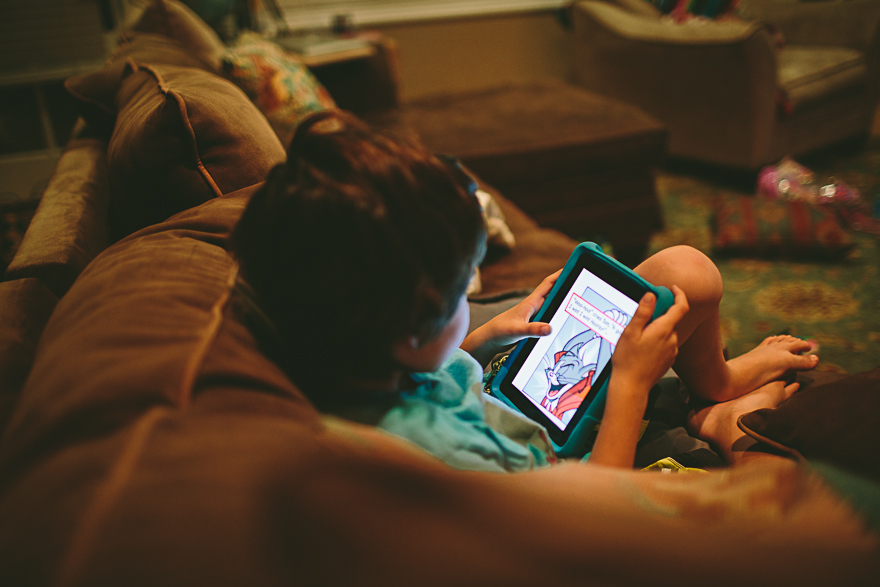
column 779, row 391
column 804, row 362
column 795, row 345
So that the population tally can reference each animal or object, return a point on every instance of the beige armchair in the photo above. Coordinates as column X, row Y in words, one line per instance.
column 726, row 92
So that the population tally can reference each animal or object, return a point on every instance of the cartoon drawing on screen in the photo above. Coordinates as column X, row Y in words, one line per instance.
column 570, row 376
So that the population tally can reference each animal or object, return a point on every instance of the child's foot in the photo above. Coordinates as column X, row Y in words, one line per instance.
column 775, row 358
column 717, row 423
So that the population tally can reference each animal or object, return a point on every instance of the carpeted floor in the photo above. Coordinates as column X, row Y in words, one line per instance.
column 835, row 303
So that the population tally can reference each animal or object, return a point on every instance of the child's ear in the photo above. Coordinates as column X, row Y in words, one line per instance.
column 406, row 349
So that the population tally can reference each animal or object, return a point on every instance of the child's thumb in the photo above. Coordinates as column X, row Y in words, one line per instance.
column 644, row 311
column 539, row 329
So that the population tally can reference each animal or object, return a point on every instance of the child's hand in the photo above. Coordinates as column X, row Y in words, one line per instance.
column 511, row 326
column 646, row 351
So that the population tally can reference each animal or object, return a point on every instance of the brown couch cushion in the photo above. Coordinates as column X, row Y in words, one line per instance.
column 144, row 343
column 183, row 136
column 25, row 306
column 835, row 422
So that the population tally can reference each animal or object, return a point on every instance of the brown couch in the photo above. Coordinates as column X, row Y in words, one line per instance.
column 152, row 443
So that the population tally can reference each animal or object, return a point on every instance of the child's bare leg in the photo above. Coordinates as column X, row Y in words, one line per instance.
column 717, row 423
column 700, row 362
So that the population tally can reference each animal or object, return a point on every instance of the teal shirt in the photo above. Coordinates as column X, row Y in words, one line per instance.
column 446, row 415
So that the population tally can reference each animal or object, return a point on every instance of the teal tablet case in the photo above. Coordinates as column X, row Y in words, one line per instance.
column 581, row 438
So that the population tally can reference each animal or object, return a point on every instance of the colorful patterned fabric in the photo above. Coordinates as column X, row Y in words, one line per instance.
column 756, row 226
column 682, row 10
column 278, row 83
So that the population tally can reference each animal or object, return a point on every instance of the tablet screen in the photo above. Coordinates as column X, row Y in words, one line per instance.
column 556, row 373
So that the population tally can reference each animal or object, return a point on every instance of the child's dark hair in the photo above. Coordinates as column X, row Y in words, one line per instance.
column 357, row 241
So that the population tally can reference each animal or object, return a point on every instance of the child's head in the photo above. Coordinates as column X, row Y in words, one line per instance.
column 356, row 244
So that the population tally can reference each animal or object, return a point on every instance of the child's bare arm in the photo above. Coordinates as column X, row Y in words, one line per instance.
column 511, row 326
column 644, row 353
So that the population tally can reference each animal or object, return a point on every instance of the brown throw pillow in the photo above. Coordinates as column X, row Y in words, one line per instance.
column 183, row 136
column 835, row 422
column 96, row 91
column 175, row 20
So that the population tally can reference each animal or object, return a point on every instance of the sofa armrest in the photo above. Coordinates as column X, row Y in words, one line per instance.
column 69, row 227
column 25, row 307
column 684, row 76
column 853, row 23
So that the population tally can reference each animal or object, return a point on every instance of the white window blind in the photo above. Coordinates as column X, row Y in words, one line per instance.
column 321, row 13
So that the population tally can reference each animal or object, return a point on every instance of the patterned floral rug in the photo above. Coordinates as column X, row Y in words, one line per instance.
column 835, row 303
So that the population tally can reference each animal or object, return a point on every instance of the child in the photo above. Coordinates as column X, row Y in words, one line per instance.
column 354, row 260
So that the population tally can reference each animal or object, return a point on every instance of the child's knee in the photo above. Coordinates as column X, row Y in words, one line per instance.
column 689, row 269
column 700, row 278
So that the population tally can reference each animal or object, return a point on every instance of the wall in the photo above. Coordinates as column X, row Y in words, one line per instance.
column 465, row 54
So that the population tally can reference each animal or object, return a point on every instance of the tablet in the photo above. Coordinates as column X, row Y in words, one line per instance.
column 559, row 380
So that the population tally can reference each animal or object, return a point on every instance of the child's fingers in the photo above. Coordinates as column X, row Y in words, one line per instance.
column 676, row 312
column 533, row 301
column 546, row 285
column 680, row 306
column 643, row 312
column 516, row 332
column 526, row 329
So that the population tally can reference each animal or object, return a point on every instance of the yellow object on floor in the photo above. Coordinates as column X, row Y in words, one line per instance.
column 670, row 465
